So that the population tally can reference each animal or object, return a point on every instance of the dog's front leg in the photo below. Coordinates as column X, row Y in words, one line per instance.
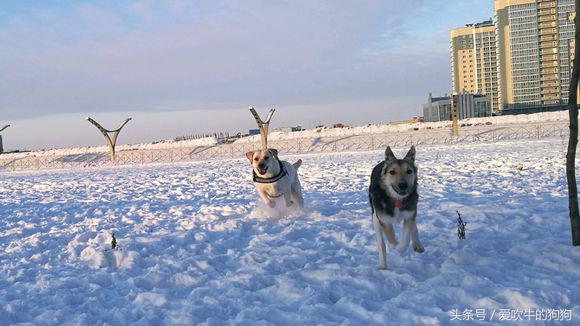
column 417, row 246
column 406, row 236
column 288, row 198
column 267, row 200
column 380, row 243
column 297, row 193
column 390, row 233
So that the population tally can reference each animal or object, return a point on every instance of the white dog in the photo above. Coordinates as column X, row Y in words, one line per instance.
column 274, row 178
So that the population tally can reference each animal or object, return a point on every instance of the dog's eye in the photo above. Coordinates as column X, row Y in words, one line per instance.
column 256, row 159
column 392, row 172
column 409, row 171
column 267, row 157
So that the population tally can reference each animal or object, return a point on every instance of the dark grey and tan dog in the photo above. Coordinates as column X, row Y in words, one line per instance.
column 274, row 178
column 393, row 197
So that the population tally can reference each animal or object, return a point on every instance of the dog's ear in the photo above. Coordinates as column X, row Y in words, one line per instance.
column 410, row 155
column 250, row 156
column 274, row 152
column 389, row 155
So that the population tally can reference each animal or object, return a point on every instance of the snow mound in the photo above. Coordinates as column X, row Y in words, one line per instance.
column 95, row 250
column 522, row 119
column 165, row 144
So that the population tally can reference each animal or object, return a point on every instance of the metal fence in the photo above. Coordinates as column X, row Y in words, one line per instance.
column 367, row 142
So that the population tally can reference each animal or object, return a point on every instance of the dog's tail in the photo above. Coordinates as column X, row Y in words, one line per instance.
column 297, row 164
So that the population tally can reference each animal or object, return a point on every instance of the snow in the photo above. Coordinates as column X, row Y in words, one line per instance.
column 316, row 135
column 165, row 144
column 195, row 247
column 508, row 120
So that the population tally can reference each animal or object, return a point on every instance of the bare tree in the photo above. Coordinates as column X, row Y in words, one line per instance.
column 573, row 140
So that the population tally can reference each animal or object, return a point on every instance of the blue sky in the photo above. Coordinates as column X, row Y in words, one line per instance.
column 195, row 66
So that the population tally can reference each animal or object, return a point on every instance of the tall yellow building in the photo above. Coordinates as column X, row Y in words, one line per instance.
column 474, row 61
column 534, row 39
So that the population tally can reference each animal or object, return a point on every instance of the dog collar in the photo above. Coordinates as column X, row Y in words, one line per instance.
column 399, row 204
column 273, row 179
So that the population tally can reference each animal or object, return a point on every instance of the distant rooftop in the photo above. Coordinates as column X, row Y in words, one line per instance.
column 442, row 98
column 446, row 97
column 485, row 23
column 482, row 24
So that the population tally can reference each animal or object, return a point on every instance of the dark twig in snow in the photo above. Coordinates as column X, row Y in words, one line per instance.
column 460, row 226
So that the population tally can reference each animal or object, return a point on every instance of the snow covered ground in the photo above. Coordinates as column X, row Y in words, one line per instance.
column 557, row 117
column 165, row 144
column 193, row 246
column 544, row 118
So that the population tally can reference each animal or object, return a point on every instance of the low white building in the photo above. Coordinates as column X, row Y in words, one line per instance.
column 468, row 106
column 290, row 129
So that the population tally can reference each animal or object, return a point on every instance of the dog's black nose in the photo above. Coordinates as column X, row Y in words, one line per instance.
column 403, row 186
column 261, row 165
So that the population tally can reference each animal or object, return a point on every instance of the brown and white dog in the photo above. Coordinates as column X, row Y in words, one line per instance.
column 393, row 197
column 274, row 178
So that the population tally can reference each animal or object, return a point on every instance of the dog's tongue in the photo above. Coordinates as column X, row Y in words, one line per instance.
column 399, row 204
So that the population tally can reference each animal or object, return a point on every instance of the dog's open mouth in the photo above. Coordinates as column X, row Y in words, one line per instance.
column 398, row 191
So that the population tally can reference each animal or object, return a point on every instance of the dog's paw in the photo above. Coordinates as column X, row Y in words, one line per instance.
column 418, row 248
column 401, row 247
column 393, row 245
column 382, row 267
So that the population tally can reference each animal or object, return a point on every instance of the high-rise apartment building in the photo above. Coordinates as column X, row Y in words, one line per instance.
column 474, row 60
column 534, row 40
